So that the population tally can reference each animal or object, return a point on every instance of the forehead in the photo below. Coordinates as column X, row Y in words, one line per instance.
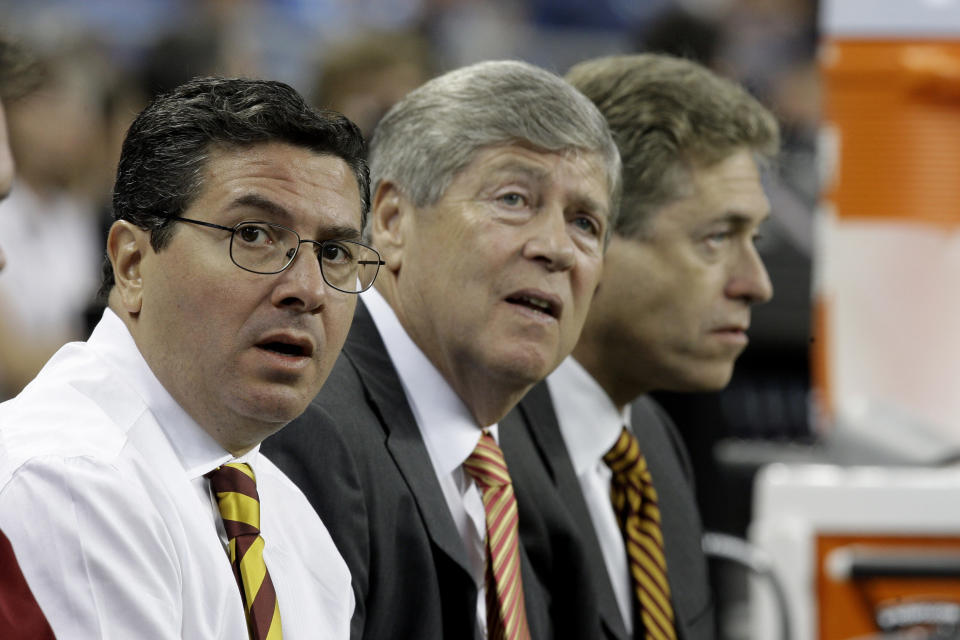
column 306, row 186
column 580, row 173
column 729, row 189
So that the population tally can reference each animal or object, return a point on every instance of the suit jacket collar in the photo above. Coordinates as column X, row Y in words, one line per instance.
column 537, row 409
column 365, row 348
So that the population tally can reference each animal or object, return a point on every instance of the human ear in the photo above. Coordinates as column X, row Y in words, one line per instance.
column 390, row 211
column 126, row 246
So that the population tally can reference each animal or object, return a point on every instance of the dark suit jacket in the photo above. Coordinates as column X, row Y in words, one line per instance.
column 533, row 424
column 358, row 455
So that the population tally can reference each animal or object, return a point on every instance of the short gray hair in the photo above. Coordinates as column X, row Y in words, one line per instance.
column 668, row 116
column 435, row 131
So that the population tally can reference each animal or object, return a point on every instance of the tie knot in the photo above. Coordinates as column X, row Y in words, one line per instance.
column 486, row 464
column 236, row 489
column 625, row 456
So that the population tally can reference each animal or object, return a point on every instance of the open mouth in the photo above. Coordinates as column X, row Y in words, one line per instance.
column 535, row 303
column 283, row 348
column 287, row 346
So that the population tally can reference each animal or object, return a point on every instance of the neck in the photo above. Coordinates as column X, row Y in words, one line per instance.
column 622, row 389
column 487, row 401
column 488, row 395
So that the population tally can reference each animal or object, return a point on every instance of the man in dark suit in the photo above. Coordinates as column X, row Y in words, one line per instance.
column 495, row 187
column 672, row 311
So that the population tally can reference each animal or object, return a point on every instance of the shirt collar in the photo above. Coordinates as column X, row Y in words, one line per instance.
column 197, row 450
column 589, row 421
column 448, row 429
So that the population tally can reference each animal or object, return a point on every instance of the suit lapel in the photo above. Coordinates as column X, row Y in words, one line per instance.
column 365, row 348
column 541, row 420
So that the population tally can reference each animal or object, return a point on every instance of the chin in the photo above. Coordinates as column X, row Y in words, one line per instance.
column 275, row 406
column 691, row 376
column 525, row 369
column 708, row 381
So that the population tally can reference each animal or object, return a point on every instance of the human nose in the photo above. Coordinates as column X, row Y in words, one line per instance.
column 750, row 281
column 301, row 285
column 550, row 242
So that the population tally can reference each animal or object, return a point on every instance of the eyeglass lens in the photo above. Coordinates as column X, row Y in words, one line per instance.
column 262, row 247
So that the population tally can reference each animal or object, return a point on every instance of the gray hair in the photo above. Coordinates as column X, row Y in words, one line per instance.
column 668, row 116
column 435, row 131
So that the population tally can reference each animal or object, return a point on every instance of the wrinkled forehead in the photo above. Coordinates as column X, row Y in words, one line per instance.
column 537, row 163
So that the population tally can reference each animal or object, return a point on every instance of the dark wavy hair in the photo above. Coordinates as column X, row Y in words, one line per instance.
column 164, row 154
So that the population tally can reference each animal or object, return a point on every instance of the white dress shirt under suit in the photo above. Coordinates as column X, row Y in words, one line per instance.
column 103, row 497
column 449, row 432
column 590, row 425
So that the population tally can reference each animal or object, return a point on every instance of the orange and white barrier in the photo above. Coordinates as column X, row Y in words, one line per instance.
column 887, row 266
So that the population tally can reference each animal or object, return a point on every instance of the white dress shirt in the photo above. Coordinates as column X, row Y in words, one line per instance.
column 590, row 425
column 449, row 432
column 103, row 497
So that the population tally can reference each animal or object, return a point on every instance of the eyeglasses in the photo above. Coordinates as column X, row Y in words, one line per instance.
column 267, row 248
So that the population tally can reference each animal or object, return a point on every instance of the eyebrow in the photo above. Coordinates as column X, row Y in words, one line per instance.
column 589, row 204
column 535, row 173
column 327, row 232
column 514, row 166
column 741, row 220
column 256, row 201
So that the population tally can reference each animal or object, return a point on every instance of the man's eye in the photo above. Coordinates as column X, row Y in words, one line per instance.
column 513, row 199
column 253, row 234
column 718, row 238
column 335, row 253
column 587, row 224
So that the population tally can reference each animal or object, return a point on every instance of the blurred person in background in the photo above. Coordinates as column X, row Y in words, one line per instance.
column 20, row 616
column 49, row 221
column 672, row 311
column 362, row 77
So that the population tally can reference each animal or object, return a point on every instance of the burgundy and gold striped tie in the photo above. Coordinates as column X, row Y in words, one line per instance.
column 236, row 490
column 635, row 503
column 506, row 612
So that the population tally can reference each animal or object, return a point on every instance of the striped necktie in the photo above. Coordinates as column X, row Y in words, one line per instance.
column 506, row 612
column 236, row 490
column 635, row 503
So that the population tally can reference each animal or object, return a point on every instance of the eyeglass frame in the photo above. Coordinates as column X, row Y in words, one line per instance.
column 379, row 261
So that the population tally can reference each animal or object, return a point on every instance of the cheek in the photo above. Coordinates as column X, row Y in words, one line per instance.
column 591, row 273
column 210, row 314
column 338, row 321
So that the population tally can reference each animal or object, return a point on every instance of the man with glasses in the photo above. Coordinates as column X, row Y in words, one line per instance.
column 495, row 186
column 132, row 484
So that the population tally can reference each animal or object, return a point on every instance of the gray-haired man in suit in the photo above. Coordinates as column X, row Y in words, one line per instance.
column 495, row 187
